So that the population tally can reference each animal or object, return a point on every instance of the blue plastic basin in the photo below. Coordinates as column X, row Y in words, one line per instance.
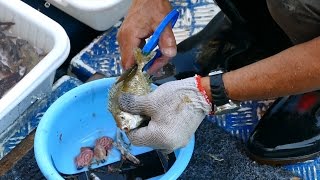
column 75, row 120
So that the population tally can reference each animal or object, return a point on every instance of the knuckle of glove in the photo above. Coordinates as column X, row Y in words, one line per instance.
column 136, row 140
column 171, row 141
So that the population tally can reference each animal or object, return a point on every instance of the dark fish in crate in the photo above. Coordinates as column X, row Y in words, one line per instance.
column 28, row 54
column 8, row 82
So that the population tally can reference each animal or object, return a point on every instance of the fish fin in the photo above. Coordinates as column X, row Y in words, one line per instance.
column 128, row 74
column 141, row 58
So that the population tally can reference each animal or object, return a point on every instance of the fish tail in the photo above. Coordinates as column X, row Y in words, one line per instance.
column 141, row 58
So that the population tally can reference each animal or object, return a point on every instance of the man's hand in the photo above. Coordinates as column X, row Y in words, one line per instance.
column 142, row 19
column 176, row 109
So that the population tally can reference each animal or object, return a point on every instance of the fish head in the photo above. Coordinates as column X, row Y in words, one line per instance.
column 128, row 122
column 123, row 121
column 21, row 42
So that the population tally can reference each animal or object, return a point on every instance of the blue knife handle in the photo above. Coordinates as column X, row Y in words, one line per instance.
column 154, row 39
column 149, row 64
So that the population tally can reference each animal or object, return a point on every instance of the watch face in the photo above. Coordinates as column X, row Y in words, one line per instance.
column 227, row 108
column 215, row 72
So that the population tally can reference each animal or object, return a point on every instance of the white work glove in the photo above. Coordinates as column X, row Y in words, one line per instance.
column 176, row 109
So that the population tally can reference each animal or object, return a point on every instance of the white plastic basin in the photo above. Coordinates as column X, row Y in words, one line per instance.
column 98, row 14
column 41, row 32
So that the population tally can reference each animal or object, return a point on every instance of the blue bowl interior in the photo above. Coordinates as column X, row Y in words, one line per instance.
column 76, row 120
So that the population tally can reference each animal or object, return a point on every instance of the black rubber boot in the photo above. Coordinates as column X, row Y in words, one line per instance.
column 288, row 132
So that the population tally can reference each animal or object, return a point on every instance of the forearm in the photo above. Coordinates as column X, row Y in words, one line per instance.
column 293, row 71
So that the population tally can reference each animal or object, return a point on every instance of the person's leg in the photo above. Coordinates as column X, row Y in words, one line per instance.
column 289, row 132
column 300, row 19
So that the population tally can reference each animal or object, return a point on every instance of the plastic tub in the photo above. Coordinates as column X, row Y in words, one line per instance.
column 41, row 32
column 98, row 14
column 75, row 120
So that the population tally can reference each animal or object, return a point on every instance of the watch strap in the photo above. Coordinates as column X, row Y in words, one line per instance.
column 218, row 93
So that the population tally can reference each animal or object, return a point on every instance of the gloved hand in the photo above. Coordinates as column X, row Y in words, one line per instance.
column 141, row 21
column 176, row 109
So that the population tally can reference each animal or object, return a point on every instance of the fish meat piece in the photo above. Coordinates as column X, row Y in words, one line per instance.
column 100, row 153
column 102, row 146
column 133, row 81
column 84, row 158
column 105, row 142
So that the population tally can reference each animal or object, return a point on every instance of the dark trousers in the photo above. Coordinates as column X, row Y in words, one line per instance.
column 274, row 25
column 299, row 19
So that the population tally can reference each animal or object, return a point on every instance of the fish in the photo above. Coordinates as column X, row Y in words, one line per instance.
column 106, row 142
column 10, row 71
column 7, row 82
column 9, row 53
column 30, row 57
column 17, row 58
column 133, row 81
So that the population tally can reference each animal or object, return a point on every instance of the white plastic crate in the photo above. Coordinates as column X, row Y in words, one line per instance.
column 41, row 32
column 98, row 14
